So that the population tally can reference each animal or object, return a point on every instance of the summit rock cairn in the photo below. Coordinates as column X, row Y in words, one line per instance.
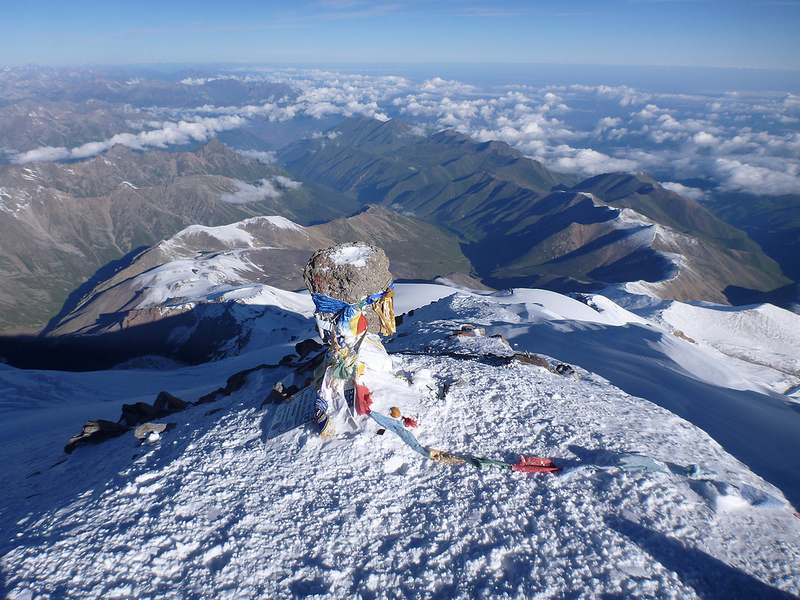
column 350, row 272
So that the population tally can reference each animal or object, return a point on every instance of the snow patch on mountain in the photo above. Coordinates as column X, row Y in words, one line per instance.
column 423, row 294
column 29, row 174
column 8, row 202
column 645, row 233
column 186, row 282
column 282, row 222
column 763, row 339
column 761, row 342
column 235, row 235
column 232, row 235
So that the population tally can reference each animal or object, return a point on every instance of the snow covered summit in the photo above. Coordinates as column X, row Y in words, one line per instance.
column 647, row 504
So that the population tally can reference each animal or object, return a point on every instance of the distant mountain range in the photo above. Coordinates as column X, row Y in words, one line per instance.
column 90, row 223
column 120, row 86
column 524, row 225
column 62, row 222
column 67, row 108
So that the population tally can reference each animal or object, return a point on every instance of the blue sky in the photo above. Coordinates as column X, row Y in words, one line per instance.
column 720, row 33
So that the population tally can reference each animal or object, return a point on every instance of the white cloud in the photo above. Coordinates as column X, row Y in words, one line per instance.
column 168, row 133
column 247, row 193
column 44, row 154
column 607, row 123
column 264, row 189
column 745, row 141
column 267, row 158
column 287, row 183
column 684, row 190
column 649, row 113
column 632, row 130
column 554, row 104
column 737, row 175
column 624, row 95
column 586, row 161
column 701, row 139
column 438, row 86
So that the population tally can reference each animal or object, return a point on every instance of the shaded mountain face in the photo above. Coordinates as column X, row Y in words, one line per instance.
column 524, row 225
column 772, row 221
column 61, row 222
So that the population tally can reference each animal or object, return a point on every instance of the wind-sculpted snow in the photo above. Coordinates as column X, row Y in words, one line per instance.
column 758, row 427
column 218, row 512
column 186, row 281
column 214, row 510
column 764, row 335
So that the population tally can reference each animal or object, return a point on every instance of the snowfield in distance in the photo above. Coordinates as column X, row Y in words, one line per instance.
column 679, row 469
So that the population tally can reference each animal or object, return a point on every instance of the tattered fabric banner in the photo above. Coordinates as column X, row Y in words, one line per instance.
column 352, row 314
column 363, row 399
column 298, row 410
column 401, row 431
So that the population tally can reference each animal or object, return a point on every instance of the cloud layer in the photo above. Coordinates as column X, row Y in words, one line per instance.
column 732, row 141
column 158, row 135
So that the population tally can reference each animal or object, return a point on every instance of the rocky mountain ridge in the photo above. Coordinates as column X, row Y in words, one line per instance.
column 518, row 223
column 524, row 225
column 261, row 250
column 62, row 222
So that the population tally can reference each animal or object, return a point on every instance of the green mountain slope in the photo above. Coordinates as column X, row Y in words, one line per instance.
column 521, row 224
column 772, row 221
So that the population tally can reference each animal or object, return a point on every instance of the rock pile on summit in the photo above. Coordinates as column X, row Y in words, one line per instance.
column 350, row 272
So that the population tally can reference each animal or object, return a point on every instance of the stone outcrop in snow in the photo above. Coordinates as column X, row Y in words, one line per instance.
column 350, row 273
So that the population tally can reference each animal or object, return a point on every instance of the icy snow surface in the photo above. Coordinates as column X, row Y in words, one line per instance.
column 232, row 234
column 208, row 278
column 212, row 509
column 352, row 255
column 760, row 342
column 763, row 335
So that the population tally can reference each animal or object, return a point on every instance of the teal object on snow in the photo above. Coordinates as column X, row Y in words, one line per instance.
column 401, row 431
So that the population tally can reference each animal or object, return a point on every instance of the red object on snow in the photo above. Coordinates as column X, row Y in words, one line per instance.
column 363, row 400
column 409, row 422
column 534, row 464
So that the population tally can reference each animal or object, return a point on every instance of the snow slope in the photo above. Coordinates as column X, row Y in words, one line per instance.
column 214, row 509
column 761, row 336
column 760, row 341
